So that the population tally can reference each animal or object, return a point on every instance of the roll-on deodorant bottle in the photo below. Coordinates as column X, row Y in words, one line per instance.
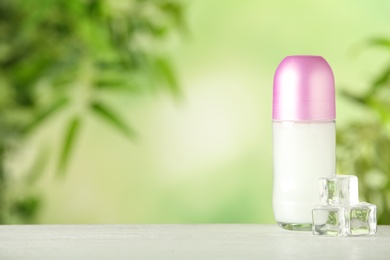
column 303, row 137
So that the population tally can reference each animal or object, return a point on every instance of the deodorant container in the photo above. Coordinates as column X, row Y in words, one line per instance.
column 303, row 137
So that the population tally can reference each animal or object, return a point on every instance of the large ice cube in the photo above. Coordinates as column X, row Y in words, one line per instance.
column 360, row 219
column 339, row 190
column 328, row 220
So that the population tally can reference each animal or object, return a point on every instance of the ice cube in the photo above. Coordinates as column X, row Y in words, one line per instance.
column 339, row 190
column 328, row 220
column 360, row 219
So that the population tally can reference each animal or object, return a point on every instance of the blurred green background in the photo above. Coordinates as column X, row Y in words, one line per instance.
column 159, row 111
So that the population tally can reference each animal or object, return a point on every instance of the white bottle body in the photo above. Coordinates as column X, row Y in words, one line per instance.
column 302, row 153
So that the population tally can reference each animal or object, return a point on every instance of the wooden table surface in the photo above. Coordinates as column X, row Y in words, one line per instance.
column 211, row 241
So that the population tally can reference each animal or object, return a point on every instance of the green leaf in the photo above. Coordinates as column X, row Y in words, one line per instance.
column 165, row 70
column 113, row 119
column 379, row 42
column 116, row 83
column 69, row 140
column 174, row 10
column 357, row 99
column 380, row 81
column 43, row 115
column 26, row 208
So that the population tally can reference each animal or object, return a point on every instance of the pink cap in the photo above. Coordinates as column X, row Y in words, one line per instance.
column 304, row 90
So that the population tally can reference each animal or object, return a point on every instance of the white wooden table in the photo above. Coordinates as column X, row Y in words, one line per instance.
column 236, row 241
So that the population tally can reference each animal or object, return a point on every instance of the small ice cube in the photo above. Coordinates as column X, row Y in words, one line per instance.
column 339, row 190
column 360, row 219
column 328, row 220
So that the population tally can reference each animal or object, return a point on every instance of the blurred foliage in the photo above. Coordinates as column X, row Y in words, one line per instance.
column 364, row 145
column 69, row 54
